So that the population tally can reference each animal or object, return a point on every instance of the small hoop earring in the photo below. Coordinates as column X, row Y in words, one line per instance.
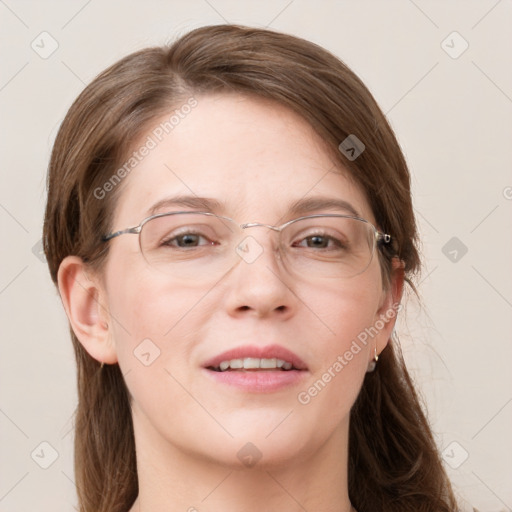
column 373, row 363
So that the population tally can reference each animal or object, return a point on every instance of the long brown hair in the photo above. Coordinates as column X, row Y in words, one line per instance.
column 394, row 463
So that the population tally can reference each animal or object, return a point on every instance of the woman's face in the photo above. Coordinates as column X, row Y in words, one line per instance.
column 255, row 158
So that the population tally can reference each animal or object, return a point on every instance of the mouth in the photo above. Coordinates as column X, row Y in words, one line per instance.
column 252, row 364
column 256, row 358
column 252, row 368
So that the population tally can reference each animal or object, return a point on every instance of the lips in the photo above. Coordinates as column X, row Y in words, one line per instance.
column 256, row 370
column 255, row 358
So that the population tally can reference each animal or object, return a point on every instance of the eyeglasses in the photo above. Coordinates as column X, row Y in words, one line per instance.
column 202, row 246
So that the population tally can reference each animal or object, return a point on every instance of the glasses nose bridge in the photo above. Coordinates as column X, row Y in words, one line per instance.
column 247, row 225
column 242, row 231
column 255, row 224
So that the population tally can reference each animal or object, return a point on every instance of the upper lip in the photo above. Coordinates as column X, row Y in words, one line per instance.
column 267, row 352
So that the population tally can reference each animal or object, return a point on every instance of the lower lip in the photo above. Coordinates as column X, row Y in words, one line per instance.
column 258, row 381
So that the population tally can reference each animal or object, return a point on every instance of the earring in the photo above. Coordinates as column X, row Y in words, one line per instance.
column 373, row 363
column 102, row 364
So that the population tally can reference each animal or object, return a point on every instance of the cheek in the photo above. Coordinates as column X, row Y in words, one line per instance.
column 340, row 347
column 156, row 324
column 154, row 321
column 344, row 313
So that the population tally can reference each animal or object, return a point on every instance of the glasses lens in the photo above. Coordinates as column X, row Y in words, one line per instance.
column 329, row 246
column 201, row 247
column 187, row 245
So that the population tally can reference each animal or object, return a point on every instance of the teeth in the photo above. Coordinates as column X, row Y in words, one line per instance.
column 251, row 363
column 268, row 363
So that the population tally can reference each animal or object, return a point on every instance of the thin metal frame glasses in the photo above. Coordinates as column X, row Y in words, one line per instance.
column 351, row 243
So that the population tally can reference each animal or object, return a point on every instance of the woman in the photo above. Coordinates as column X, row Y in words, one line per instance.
column 229, row 224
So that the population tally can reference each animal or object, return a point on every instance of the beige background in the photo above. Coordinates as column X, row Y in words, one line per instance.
column 452, row 112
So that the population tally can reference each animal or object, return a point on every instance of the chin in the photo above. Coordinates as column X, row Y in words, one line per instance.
column 263, row 444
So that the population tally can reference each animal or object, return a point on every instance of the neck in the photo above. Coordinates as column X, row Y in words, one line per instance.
column 170, row 477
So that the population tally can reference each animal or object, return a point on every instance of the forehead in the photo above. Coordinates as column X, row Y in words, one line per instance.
column 254, row 158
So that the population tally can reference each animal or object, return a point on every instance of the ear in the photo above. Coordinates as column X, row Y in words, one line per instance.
column 390, row 304
column 84, row 301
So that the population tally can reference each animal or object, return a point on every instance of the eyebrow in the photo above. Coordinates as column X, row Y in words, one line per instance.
column 206, row 204
column 298, row 207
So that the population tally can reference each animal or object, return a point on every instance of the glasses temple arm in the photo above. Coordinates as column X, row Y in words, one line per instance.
column 108, row 237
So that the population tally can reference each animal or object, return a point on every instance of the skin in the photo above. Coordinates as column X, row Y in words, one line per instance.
column 257, row 157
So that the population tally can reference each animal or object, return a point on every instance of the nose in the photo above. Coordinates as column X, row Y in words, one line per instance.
column 258, row 283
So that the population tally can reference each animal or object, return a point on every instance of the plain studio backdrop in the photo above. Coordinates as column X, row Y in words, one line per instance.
column 440, row 70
